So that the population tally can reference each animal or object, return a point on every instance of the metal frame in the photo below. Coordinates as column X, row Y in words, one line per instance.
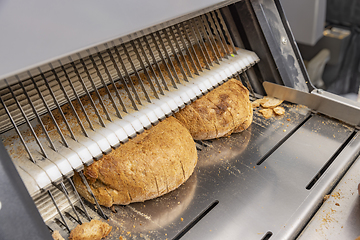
column 266, row 32
column 19, row 218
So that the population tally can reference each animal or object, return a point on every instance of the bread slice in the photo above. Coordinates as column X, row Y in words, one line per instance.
column 150, row 165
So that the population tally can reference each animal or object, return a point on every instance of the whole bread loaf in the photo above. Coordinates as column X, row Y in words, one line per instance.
column 219, row 113
column 148, row 166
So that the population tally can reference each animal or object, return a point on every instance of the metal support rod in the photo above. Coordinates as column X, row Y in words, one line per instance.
column 88, row 94
column 102, row 214
column 122, row 79
column 136, row 73
column 63, row 189
column 180, row 52
column 95, row 89
column 17, row 130
column 78, row 98
column 226, row 31
column 58, row 106
column 58, row 210
column 191, row 46
column 174, row 54
column 200, row 39
column 163, row 60
column 149, row 66
column 26, row 119
column 221, row 31
column 167, row 56
column 37, row 115
column 128, row 76
column 155, row 62
column 207, row 39
column 79, row 198
column 70, row 103
column 186, row 49
column 218, row 33
column 144, row 69
column 207, row 31
column 106, row 89
column 244, row 77
column 49, row 112
column 112, row 82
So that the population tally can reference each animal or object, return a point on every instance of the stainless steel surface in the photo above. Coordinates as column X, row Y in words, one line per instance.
column 284, row 54
column 254, row 203
column 73, row 28
column 338, row 217
column 249, row 184
column 318, row 100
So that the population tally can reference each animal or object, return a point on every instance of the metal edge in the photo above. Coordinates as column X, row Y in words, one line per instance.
column 84, row 52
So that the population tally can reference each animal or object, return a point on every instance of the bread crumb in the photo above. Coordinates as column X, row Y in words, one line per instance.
column 56, row 235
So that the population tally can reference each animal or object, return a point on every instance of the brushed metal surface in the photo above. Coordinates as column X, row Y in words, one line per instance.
column 318, row 100
column 254, row 202
column 338, row 217
column 244, row 199
column 54, row 31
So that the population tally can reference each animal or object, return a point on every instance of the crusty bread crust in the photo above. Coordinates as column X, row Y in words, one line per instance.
column 219, row 113
column 148, row 166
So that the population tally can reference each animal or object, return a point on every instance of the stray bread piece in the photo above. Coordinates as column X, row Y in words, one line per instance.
column 256, row 103
column 267, row 112
column 222, row 111
column 269, row 102
column 279, row 110
column 94, row 230
column 155, row 162
column 56, row 235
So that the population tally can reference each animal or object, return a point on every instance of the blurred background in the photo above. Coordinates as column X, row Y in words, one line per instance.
column 328, row 36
